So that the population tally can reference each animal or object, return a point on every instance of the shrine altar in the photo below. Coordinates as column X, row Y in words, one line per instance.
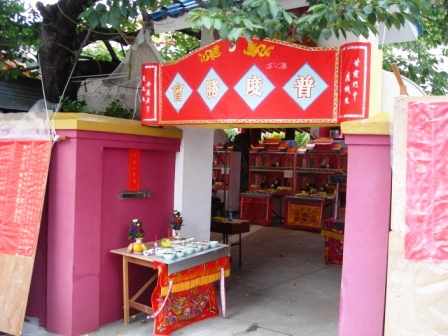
column 184, row 291
column 307, row 212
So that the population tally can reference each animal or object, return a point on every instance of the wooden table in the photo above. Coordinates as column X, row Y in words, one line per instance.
column 138, row 259
column 175, row 265
column 236, row 226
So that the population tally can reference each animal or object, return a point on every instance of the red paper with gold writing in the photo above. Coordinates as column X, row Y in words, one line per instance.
column 23, row 177
column 134, row 170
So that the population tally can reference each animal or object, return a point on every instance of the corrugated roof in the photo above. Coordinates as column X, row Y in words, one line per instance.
column 19, row 95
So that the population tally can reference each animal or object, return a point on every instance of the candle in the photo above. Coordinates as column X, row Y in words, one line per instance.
column 155, row 238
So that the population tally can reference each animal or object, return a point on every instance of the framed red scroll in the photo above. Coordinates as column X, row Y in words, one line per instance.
column 259, row 82
column 354, row 81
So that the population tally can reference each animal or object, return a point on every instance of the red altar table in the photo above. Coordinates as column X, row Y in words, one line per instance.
column 174, row 303
column 256, row 207
column 307, row 213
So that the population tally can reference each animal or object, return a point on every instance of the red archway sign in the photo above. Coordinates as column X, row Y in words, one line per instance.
column 258, row 82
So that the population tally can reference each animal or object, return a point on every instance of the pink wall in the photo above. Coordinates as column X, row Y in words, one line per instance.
column 367, row 219
column 86, row 219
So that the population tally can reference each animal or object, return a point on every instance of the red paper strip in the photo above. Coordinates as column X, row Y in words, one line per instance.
column 150, row 99
column 134, row 170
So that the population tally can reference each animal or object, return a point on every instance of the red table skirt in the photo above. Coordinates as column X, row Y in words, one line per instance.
column 257, row 210
column 192, row 297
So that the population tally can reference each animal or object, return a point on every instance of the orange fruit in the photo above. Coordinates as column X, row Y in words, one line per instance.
column 137, row 247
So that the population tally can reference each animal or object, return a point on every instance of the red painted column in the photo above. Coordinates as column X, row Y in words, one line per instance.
column 367, row 222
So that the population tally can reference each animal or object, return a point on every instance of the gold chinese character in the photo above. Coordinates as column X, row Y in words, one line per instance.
column 212, row 88
column 177, row 91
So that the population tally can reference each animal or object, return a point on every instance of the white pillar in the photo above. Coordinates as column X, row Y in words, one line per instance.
column 193, row 181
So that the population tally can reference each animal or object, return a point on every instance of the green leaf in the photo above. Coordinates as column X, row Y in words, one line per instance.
column 218, row 23
column 113, row 21
column 93, row 20
column 124, row 11
column 367, row 9
column 371, row 18
column 104, row 19
column 414, row 9
column 101, row 7
column 263, row 9
column 317, row 8
column 323, row 23
column 326, row 33
column 247, row 23
column 207, row 22
column 274, row 8
column 287, row 17
column 223, row 31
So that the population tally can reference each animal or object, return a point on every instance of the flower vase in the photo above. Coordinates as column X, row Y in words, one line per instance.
column 176, row 234
column 139, row 240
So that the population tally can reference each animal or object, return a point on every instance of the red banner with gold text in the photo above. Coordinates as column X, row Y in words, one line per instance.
column 23, row 177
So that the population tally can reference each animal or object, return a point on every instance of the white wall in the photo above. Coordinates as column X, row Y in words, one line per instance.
column 193, row 181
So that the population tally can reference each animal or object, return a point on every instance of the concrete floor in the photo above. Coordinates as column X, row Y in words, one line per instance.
column 282, row 288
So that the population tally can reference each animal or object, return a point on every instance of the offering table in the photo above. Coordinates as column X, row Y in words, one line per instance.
column 256, row 207
column 175, row 280
column 307, row 212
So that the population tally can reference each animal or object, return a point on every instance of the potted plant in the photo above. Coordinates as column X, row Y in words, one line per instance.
column 136, row 230
column 176, row 223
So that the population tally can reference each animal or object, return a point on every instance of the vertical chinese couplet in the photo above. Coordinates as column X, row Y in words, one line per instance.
column 354, row 81
column 134, row 170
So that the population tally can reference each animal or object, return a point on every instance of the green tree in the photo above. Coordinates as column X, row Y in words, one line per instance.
column 15, row 23
column 267, row 19
column 71, row 25
column 423, row 60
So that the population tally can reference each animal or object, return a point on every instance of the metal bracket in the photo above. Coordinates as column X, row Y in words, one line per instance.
column 135, row 194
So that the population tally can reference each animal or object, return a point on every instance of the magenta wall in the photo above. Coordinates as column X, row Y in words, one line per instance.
column 86, row 219
column 367, row 221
